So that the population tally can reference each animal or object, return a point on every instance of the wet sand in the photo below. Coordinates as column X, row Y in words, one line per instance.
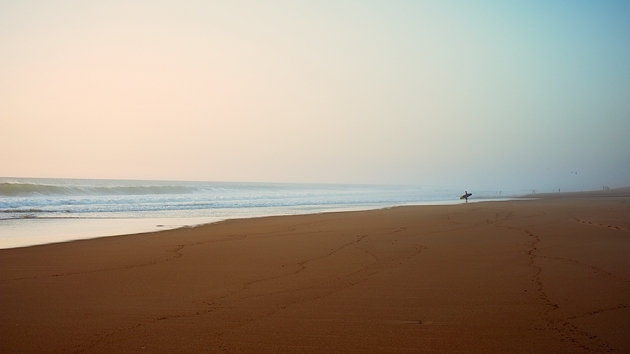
column 549, row 275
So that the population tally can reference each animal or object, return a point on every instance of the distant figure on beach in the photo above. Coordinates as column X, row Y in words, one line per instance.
column 465, row 196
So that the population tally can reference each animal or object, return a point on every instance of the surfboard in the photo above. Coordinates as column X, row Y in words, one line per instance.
column 465, row 196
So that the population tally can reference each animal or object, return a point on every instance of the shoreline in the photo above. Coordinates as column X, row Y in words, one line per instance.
column 538, row 275
column 59, row 230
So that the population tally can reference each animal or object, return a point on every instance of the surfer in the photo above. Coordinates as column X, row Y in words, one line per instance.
column 465, row 196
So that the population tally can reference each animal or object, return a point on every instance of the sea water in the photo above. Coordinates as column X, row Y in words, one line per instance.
column 38, row 211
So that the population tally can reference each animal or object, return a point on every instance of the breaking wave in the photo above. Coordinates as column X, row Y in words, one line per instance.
column 10, row 189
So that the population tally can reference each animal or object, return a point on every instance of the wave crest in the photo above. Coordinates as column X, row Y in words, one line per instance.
column 9, row 189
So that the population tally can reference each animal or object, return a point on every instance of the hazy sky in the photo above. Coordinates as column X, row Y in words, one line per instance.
column 487, row 94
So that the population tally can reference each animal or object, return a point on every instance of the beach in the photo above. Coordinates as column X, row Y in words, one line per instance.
column 548, row 275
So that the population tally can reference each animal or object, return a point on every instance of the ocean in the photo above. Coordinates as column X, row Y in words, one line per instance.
column 39, row 211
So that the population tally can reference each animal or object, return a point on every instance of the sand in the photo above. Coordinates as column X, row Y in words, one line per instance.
column 529, row 276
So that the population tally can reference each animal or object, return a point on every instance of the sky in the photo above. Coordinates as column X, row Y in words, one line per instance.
column 486, row 94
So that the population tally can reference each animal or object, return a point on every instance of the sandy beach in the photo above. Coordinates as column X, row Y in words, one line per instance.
column 549, row 275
